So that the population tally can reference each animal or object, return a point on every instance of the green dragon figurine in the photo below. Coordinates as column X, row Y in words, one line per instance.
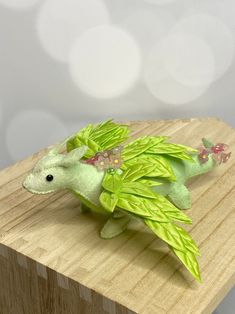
column 143, row 178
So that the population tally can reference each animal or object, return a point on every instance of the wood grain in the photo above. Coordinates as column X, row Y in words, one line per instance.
column 52, row 259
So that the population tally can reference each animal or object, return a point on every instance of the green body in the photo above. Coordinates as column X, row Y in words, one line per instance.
column 149, row 184
column 88, row 185
column 176, row 191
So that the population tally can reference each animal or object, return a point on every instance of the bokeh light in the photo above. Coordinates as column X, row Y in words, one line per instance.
column 224, row 10
column 188, row 59
column 160, row 2
column 105, row 62
column 60, row 22
column 162, row 84
column 148, row 26
column 18, row 4
column 32, row 130
column 216, row 34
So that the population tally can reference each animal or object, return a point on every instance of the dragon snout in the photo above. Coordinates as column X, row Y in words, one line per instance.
column 27, row 183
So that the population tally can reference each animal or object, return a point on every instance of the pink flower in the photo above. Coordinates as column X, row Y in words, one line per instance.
column 102, row 162
column 203, row 155
column 217, row 151
column 218, row 148
column 115, row 161
column 221, row 157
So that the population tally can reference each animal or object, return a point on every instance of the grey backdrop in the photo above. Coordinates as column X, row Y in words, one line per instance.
column 64, row 63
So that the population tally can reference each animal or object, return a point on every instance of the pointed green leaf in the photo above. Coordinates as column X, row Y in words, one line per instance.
column 138, row 188
column 162, row 165
column 170, row 210
column 99, row 137
column 177, row 215
column 112, row 182
column 168, row 148
column 173, row 235
column 108, row 200
column 137, row 171
column 140, row 206
column 188, row 148
column 140, row 145
column 167, row 232
column 190, row 262
column 177, row 240
column 149, row 182
column 182, row 155
column 188, row 241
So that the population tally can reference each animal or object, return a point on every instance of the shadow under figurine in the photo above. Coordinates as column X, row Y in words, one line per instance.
column 143, row 178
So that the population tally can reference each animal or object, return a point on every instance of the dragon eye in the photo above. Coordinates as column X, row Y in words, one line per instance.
column 49, row 177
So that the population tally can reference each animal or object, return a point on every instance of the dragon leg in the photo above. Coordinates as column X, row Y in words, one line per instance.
column 115, row 225
column 180, row 196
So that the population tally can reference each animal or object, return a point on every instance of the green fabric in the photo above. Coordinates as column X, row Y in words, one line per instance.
column 149, row 184
column 98, row 138
column 114, row 226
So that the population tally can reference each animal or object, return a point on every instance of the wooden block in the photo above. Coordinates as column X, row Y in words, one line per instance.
column 52, row 259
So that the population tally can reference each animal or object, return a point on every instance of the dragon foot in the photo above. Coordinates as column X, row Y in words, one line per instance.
column 114, row 226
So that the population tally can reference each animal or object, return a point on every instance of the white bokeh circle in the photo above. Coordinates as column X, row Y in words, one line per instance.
column 160, row 2
column 32, row 130
column 105, row 61
column 188, row 59
column 223, row 10
column 60, row 22
column 215, row 33
column 148, row 26
column 18, row 4
column 160, row 82
column 172, row 92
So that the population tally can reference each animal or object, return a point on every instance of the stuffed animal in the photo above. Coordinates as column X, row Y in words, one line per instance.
column 142, row 179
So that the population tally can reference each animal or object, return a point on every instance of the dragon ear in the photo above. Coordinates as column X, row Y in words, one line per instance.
column 72, row 157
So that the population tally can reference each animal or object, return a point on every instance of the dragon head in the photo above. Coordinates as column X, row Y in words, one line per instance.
column 53, row 172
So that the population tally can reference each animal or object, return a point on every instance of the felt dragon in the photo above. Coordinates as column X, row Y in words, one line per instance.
column 142, row 178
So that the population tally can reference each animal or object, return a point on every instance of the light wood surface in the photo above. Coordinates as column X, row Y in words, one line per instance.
column 52, row 259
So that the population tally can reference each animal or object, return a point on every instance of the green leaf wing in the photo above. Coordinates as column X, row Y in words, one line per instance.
column 99, row 137
column 178, row 243
column 172, row 212
column 168, row 148
column 137, row 171
column 108, row 200
column 128, row 193
column 150, row 182
column 162, row 166
column 139, row 189
column 140, row 207
column 140, row 145
column 172, row 150
column 130, row 189
column 112, row 182
column 190, row 262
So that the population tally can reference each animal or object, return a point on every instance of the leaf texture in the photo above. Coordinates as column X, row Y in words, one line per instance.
column 145, row 160
column 103, row 136
column 141, row 145
column 179, row 242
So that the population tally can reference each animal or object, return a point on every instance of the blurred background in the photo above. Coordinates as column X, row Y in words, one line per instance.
column 65, row 63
